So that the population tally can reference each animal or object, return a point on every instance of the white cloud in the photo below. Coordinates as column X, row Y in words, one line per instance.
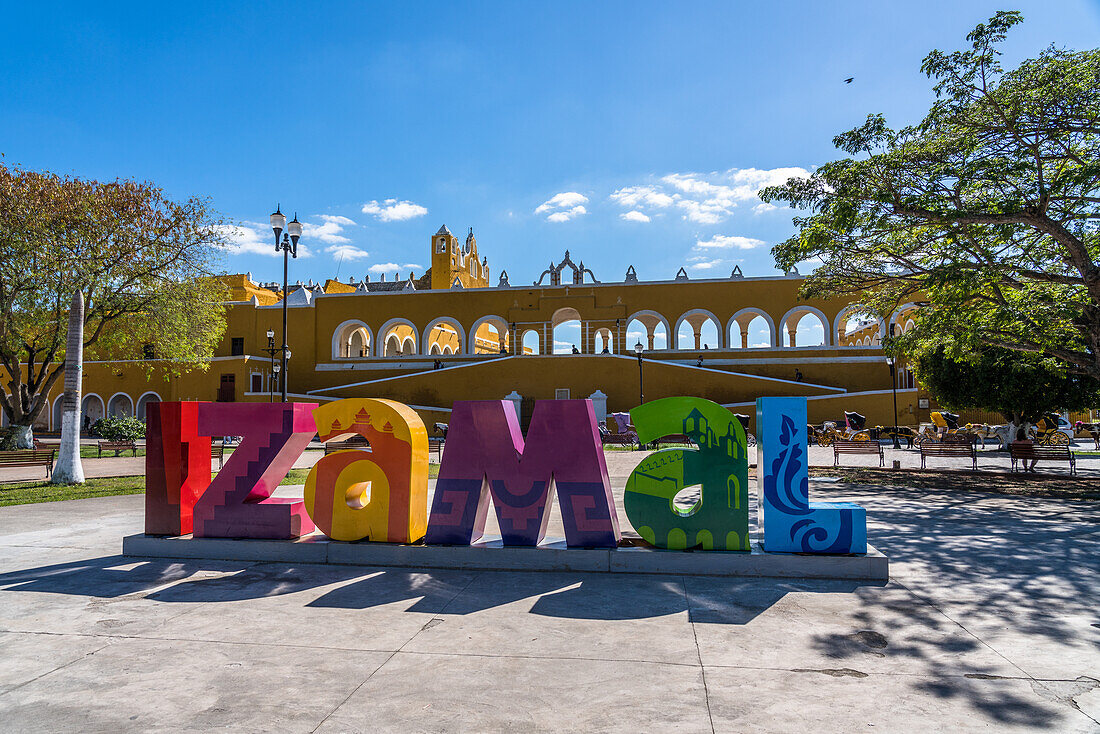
column 635, row 196
column 706, row 198
column 253, row 238
column 347, row 252
column 563, row 207
column 564, row 200
column 330, row 231
column 763, row 208
column 726, row 242
column 634, row 216
column 565, row 216
column 392, row 267
column 392, row 210
column 703, row 264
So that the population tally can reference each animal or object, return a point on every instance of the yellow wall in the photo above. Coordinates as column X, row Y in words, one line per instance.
column 339, row 339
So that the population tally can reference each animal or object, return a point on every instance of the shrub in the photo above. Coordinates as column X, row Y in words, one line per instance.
column 119, row 429
column 7, row 439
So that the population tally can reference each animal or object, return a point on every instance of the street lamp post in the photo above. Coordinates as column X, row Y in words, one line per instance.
column 289, row 247
column 894, row 385
column 638, row 349
column 271, row 350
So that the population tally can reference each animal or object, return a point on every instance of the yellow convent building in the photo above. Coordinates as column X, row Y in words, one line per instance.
column 452, row 334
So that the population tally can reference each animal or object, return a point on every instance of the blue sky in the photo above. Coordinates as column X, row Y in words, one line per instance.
column 629, row 133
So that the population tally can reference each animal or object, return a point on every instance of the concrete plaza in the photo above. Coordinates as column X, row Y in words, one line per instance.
column 989, row 623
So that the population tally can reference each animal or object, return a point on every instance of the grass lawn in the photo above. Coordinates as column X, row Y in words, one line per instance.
column 26, row 493
column 91, row 452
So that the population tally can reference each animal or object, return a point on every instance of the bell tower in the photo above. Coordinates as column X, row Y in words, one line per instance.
column 444, row 258
column 454, row 263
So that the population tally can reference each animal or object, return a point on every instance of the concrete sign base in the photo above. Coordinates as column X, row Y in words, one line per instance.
column 490, row 555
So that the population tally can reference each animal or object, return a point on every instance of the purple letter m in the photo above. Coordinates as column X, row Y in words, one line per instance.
column 485, row 453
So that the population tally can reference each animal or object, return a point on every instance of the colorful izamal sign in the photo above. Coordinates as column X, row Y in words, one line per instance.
column 381, row 494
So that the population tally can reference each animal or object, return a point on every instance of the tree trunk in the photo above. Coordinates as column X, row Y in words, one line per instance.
column 68, row 469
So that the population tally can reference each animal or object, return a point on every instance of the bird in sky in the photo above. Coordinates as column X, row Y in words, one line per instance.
column 849, row 80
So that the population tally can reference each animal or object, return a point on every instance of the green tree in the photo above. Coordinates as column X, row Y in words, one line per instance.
column 142, row 261
column 1022, row 388
column 986, row 212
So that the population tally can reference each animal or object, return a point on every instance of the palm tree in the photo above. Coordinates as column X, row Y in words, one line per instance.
column 68, row 469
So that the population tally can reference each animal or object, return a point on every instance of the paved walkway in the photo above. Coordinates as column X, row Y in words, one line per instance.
column 989, row 624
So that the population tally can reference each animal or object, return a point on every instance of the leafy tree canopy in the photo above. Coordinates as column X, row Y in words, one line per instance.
column 143, row 262
column 986, row 212
column 1021, row 387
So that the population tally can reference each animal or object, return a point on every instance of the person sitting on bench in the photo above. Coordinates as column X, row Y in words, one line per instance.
column 1022, row 438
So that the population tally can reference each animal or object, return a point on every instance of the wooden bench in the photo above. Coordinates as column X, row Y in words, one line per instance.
column 355, row 442
column 1025, row 452
column 116, row 446
column 857, row 447
column 435, row 443
column 928, row 448
column 674, row 439
column 28, row 458
column 217, row 451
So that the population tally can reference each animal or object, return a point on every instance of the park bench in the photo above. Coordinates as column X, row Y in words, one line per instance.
column 28, row 458
column 435, row 443
column 1025, row 452
column 617, row 433
column 217, row 451
column 946, row 450
column 857, row 447
column 355, row 442
column 673, row 439
column 116, row 446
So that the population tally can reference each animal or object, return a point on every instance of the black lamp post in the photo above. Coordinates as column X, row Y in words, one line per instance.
column 271, row 351
column 894, row 385
column 289, row 247
column 638, row 349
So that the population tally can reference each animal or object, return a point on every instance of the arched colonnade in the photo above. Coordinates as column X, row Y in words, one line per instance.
column 695, row 329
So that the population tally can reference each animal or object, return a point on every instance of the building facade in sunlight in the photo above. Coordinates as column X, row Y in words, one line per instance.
column 453, row 334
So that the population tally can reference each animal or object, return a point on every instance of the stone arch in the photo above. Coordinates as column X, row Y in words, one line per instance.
column 650, row 320
column 797, row 313
column 900, row 311
column 349, row 338
column 120, row 405
column 497, row 322
column 525, row 342
column 55, row 413
column 742, row 319
column 427, row 340
column 384, row 334
column 92, row 406
column 435, row 349
column 564, row 317
column 408, row 346
column 908, row 326
column 143, row 403
column 697, row 317
column 603, row 338
column 840, row 324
